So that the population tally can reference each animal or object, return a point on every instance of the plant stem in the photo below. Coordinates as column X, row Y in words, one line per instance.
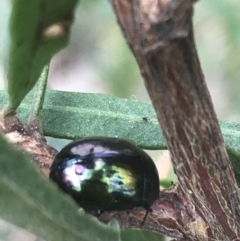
column 39, row 96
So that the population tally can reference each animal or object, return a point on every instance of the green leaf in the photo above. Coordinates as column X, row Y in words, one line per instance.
column 75, row 115
column 29, row 200
column 37, row 30
column 231, row 136
column 166, row 183
column 140, row 235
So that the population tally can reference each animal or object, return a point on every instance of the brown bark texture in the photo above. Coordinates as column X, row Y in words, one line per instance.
column 160, row 35
column 28, row 139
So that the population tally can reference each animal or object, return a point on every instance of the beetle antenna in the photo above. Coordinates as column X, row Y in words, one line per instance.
column 145, row 217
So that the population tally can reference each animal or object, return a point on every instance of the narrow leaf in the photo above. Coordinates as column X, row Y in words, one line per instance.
column 73, row 115
column 37, row 30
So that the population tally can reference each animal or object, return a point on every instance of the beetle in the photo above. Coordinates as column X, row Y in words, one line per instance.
column 108, row 174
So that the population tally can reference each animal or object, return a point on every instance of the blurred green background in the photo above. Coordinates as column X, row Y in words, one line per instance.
column 98, row 59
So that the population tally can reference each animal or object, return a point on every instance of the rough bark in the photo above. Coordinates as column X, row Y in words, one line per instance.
column 160, row 35
column 29, row 139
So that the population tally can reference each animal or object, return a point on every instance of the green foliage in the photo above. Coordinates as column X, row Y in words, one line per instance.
column 100, row 45
column 39, row 95
column 166, row 183
column 217, row 33
column 231, row 136
column 31, row 201
column 38, row 29
column 75, row 115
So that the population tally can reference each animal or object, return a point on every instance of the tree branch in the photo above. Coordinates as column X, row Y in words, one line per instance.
column 169, row 215
column 160, row 35
column 30, row 139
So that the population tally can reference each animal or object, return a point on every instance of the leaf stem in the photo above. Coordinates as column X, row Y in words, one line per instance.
column 39, row 95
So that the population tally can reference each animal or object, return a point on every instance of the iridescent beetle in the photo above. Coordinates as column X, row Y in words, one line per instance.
column 106, row 174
